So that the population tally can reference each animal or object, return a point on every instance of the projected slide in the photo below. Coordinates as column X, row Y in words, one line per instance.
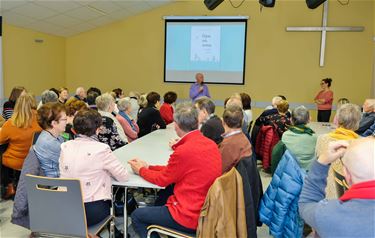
column 214, row 48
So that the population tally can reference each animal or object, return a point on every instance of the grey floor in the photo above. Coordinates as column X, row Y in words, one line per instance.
column 8, row 230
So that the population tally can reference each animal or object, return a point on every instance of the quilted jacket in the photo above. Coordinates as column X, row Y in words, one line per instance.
column 267, row 138
column 279, row 205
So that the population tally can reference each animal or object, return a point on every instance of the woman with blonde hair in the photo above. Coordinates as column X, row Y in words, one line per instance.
column 18, row 133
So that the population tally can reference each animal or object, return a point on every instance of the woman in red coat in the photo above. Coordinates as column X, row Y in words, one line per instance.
column 166, row 110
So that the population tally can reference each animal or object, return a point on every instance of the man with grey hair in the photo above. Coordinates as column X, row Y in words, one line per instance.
column 80, row 94
column 353, row 214
column 47, row 96
column 299, row 139
column 368, row 117
column 192, row 168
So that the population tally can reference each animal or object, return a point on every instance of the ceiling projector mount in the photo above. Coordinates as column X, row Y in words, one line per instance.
column 312, row 4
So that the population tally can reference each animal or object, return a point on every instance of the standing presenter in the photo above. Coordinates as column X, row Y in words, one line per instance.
column 324, row 100
column 199, row 89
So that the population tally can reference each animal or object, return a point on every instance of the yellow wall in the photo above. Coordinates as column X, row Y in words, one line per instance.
column 129, row 54
column 36, row 66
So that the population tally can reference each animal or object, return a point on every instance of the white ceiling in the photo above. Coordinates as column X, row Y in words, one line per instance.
column 70, row 17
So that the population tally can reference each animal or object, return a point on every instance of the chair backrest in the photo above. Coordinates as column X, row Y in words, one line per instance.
column 56, row 206
column 35, row 137
column 340, row 183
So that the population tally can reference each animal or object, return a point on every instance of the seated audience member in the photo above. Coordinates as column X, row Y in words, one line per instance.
column 118, row 93
column 235, row 145
column 8, row 106
column 348, row 117
column 94, row 89
column 63, row 95
column 246, row 103
column 279, row 205
column 370, row 131
column 166, row 110
column 368, row 116
column 275, row 100
column 235, row 100
column 111, row 131
column 80, row 94
column 351, row 215
column 47, row 96
column 134, row 99
column 93, row 163
column 72, row 106
column 142, row 102
column 280, row 121
column 299, row 139
column 18, row 133
column 91, row 97
column 340, row 102
column 210, row 125
column 193, row 167
column 149, row 119
column 52, row 118
column 130, row 127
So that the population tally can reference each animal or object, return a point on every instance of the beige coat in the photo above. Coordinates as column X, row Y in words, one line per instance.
column 223, row 212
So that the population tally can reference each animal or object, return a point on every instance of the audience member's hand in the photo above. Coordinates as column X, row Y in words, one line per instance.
column 336, row 150
column 173, row 142
column 136, row 164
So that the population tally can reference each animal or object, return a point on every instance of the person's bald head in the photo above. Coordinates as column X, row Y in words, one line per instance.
column 359, row 161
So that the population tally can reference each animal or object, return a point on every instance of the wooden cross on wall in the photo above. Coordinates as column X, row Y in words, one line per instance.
column 324, row 29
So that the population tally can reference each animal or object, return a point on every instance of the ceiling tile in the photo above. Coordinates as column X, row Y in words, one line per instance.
column 18, row 20
column 63, row 20
column 138, row 8
column 58, row 5
column 119, row 15
column 83, row 27
column 9, row 4
column 34, row 11
column 84, row 13
column 105, row 6
column 45, row 27
column 101, row 21
column 126, row 4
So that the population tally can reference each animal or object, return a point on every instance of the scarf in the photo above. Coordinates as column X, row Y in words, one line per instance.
column 365, row 190
column 127, row 118
column 343, row 134
column 301, row 129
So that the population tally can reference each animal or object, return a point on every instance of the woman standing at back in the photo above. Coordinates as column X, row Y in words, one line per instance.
column 18, row 133
column 324, row 100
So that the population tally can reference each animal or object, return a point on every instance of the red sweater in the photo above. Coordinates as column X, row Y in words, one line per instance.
column 166, row 112
column 193, row 167
column 328, row 99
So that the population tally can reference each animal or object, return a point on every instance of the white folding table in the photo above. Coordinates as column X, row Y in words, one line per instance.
column 152, row 148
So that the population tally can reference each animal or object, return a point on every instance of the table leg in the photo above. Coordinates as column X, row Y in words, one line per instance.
column 125, row 212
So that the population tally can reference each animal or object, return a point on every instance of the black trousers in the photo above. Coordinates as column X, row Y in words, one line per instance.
column 9, row 175
column 324, row 115
column 96, row 211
